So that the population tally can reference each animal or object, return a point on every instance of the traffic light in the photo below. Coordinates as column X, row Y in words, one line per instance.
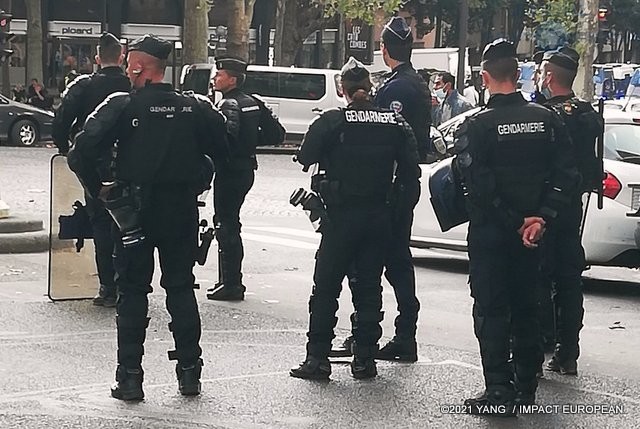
column 5, row 37
column 602, row 14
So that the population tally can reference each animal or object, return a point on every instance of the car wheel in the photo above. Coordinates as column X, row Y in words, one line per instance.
column 24, row 133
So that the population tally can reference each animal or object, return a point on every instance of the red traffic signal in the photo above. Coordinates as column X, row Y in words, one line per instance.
column 5, row 18
column 602, row 14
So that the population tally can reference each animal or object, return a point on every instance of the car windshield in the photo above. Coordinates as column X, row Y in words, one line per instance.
column 622, row 142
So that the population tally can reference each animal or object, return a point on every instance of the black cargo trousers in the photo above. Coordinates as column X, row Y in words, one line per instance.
column 400, row 273
column 169, row 220
column 503, row 276
column 563, row 261
column 103, row 227
column 355, row 236
column 230, row 188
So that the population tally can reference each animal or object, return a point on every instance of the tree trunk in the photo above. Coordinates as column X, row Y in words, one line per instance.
column 238, row 28
column 34, row 40
column 195, row 32
column 586, row 45
column 6, row 78
column 278, row 43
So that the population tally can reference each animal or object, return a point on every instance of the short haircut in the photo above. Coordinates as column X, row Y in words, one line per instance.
column 502, row 69
column 448, row 78
column 399, row 52
column 110, row 54
column 240, row 77
column 565, row 77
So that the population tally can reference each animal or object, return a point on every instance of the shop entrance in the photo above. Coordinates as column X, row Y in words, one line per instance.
column 67, row 54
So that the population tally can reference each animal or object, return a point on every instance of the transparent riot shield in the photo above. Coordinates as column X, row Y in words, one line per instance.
column 72, row 267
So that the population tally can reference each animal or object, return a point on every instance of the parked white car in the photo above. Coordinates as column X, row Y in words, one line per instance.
column 609, row 236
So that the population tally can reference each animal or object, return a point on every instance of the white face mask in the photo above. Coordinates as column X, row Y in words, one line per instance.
column 440, row 93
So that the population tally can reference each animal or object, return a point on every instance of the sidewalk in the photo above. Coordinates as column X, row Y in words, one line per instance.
column 59, row 361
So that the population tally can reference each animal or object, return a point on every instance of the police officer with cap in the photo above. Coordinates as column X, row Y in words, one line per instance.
column 356, row 148
column 249, row 124
column 405, row 92
column 515, row 161
column 159, row 168
column 564, row 258
column 78, row 101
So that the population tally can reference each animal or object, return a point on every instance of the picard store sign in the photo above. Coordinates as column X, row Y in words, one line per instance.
column 75, row 29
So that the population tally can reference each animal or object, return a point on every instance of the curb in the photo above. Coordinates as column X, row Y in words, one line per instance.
column 24, row 242
column 23, row 235
column 13, row 224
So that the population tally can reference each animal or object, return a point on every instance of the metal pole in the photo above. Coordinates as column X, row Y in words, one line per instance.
column 6, row 67
column 462, row 43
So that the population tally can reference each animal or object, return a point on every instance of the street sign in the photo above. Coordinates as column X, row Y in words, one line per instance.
column 359, row 43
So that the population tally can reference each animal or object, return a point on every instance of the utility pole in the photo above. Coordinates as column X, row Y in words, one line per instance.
column 462, row 43
column 6, row 44
column 586, row 46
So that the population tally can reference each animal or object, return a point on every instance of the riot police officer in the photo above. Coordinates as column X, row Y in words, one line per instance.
column 356, row 148
column 80, row 98
column 514, row 159
column 163, row 138
column 249, row 122
column 563, row 254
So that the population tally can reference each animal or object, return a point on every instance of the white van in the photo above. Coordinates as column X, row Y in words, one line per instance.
column 296, row 95
column 445, row 59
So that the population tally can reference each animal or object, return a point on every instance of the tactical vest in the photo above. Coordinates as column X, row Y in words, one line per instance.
column 519, row 141
column 360, row 164
column 243, row 151
column 584, row 125
column 161, row 141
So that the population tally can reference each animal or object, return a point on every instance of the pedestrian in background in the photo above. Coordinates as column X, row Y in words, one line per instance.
column 450, row 102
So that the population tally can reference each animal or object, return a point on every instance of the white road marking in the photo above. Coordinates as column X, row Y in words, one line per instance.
column 279, row 241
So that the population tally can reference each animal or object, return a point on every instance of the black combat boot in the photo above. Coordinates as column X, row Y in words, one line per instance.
column 344, row 350
column 399, row 349
column 363, row 365
column 189, row 378
column 106, row 297
column 128, row 386
column 495, row 400
column 222, row 292
column 312, row 369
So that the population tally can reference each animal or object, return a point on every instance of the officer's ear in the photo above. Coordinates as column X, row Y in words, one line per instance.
column 485, row 78
column 97, row 58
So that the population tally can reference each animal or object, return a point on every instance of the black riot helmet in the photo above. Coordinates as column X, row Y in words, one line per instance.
column 398, row 39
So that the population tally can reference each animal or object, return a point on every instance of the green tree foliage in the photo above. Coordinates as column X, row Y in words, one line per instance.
column 365, row 10
column 563, row 12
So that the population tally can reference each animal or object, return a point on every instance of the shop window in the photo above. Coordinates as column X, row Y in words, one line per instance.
column 76, row 10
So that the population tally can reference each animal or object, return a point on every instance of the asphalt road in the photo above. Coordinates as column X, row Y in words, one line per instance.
column 58, row 358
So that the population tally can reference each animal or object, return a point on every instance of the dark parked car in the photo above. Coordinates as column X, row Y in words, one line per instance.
column 22, row 124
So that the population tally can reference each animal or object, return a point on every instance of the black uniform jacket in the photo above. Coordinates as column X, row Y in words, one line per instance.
column 516, row 160
column 80, row 99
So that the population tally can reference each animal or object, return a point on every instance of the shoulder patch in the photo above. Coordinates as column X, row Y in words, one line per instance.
column 396, row 106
